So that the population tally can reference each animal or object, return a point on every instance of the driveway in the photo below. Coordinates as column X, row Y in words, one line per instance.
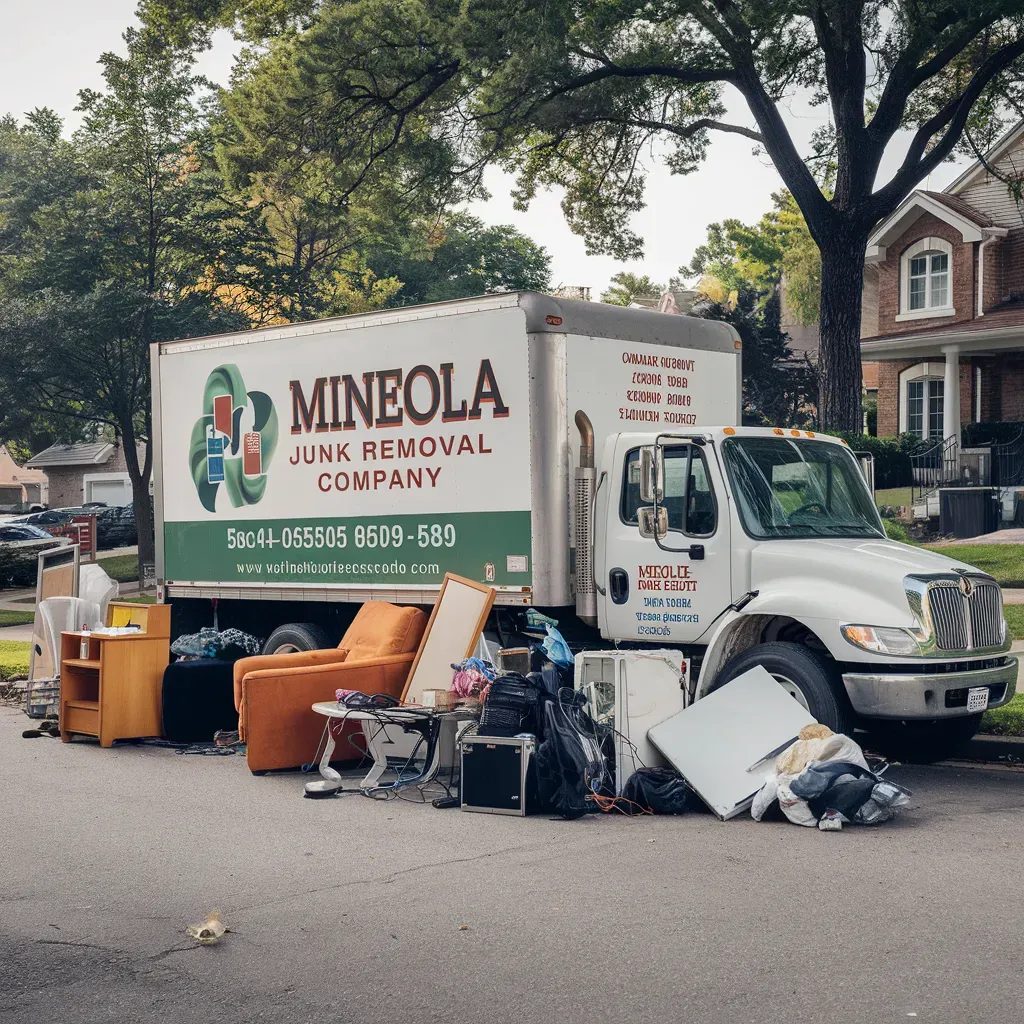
column 354, row 910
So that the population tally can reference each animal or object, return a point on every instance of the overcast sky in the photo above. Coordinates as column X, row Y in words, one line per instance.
column 50, row 52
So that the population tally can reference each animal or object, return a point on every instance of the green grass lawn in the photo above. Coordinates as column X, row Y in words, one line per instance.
column 123, row 568
column 1009, row 719
column 14, row 656
column 13, row 618
column 1003, row 561
column 895, row 496
column 141, row 599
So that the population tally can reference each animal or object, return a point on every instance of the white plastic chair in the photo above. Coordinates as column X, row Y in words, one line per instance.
column 95, row 585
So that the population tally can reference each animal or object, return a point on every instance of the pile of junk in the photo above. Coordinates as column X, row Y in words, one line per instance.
column 537, row 728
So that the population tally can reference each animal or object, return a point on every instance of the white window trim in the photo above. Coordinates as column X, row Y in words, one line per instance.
column 930, row 244
column 922, row 371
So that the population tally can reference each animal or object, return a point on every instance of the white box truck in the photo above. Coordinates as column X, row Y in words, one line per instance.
column 579, row 457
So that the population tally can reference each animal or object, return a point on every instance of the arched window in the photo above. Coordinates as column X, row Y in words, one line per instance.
column 926, row 286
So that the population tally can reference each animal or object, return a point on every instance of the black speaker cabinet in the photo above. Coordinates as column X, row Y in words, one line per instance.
column 497, row 775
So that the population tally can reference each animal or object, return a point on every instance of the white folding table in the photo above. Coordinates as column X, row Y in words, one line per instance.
column 439, row 729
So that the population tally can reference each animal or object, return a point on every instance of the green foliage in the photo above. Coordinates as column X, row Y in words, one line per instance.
column 14, row 659
column 626, row 288
column 1007, row 720
column 778, row 390
column 583, row 96
column 758, row 256
column 892, row 456
column 459, row 257
column 896, row 531
column 1005, row 562
column 123, row 568
column 10, row 617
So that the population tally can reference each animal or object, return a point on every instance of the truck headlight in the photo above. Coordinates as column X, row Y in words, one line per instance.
column 895, row 640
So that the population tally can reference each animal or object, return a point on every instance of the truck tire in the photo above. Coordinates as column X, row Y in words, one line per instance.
column 297, row 636
column 923, row 742
column 812, row 678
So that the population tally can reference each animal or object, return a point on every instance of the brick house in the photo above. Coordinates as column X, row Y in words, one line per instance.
column 80, row 473
column 944, row 304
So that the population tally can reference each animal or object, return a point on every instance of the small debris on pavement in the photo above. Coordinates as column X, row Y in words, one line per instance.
column 209, row 931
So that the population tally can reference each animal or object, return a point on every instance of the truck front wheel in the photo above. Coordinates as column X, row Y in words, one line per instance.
column 811, row 678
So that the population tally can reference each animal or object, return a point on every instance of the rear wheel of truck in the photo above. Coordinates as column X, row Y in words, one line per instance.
column 923, row 742
column 811, row 678
column 297, row 636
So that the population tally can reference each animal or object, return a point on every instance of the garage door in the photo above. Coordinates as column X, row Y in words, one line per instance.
column 113, row 492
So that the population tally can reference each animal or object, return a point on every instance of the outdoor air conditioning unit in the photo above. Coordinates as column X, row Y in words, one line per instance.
column 974, row 466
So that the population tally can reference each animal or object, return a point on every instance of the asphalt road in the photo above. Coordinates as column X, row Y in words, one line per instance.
column 352, row 910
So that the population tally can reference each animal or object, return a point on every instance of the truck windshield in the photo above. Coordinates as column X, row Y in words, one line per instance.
column 799, row 488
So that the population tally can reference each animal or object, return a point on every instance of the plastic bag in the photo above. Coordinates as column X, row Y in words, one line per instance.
column 885, row 798
column 556, row 648
column 472, row 677
column 659, row 790
column 765, row 797
column 818, row 743
column 570, row 766
column 209, row 643
column 793, row 807
column 207, row 932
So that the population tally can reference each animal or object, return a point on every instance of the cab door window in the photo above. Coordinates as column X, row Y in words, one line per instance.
column 701, row 513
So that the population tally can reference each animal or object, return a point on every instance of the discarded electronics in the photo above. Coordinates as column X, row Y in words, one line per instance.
column 630, row 692
column 497, row 774
column 725, row 744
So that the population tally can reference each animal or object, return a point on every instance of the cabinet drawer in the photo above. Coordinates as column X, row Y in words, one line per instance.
column 78, row 717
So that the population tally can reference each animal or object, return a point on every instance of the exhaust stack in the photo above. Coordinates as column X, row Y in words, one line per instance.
column 586, row 476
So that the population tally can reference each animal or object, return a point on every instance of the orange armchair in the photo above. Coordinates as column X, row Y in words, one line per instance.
column 274, row 693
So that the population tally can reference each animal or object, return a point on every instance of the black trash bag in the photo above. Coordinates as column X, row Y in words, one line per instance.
column 570, row 766
column 659, row 790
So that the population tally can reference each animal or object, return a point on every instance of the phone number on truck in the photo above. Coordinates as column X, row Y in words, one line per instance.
column 434, row 535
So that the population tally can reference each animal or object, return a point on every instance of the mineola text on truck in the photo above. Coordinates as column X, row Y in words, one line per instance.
column 581, row 458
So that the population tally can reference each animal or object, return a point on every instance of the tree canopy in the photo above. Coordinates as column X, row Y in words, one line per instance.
column 626, row 288
column 574, row 95
column 759, row 256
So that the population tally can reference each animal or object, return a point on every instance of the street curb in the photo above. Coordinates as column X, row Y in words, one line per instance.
column 987, row 747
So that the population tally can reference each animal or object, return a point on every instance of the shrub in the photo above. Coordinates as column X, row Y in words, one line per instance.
column 896, row 531
column 892, row 456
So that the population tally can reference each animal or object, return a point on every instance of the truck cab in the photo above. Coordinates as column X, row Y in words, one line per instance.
column 763, row 546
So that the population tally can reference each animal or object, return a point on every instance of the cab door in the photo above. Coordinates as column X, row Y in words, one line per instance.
column 668, row 589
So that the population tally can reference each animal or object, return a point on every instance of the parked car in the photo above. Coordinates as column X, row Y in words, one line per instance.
column 115, row 527
column 20, row 544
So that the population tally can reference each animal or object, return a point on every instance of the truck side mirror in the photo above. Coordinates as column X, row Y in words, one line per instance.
column 652, row 475
column 651, row 525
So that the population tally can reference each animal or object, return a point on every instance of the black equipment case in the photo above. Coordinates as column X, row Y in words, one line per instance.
column 497, row 775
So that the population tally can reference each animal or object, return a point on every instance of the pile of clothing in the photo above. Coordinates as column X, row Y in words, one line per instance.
column 823, row 779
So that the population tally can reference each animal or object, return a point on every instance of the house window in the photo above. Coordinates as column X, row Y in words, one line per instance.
column 929, row 281
column 925, row 271
column 924, row 408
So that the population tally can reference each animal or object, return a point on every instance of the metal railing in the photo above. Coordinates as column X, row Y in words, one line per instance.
column 933, row 468
column 1008, row 462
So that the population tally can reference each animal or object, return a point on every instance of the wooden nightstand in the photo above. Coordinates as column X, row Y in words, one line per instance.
column 114, row 694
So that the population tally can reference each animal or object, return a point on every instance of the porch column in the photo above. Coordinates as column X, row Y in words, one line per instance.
column 951, row 394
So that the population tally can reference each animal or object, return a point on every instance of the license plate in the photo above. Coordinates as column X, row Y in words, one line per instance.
column 977, row 698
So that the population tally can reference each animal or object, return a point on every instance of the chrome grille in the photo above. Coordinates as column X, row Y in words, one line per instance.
column 948, row 617
column 965, row 622
column 986, row 610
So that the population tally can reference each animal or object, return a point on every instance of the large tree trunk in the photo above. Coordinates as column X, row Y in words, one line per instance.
column 139, row 476
column 839, row 370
